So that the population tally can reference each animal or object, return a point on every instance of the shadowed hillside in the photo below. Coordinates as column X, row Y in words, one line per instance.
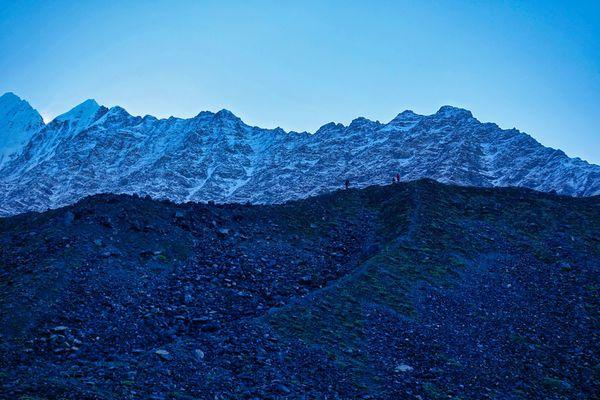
column 416, row 290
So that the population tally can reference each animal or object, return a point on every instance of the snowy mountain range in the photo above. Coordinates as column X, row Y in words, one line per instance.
column 216, row 156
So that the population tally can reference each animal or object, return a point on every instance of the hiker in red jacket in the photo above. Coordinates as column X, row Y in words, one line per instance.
column 398, row 178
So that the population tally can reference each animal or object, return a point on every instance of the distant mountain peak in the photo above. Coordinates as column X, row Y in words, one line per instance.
column 204, row 114
column 86, row 108
column 360, row 121
column 406, row 114
column 404, row 121
column 80, row 116
column 9, row 97
column 225, row 114
column 329, row 127
column 9, row 100
column 18, row 122
column 451, row 111
column 118, row 110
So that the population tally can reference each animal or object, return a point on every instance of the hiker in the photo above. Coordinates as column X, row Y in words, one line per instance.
column 347, row 183
column 398, row 178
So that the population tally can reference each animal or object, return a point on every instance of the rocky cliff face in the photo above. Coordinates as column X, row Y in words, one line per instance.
column 216, row 156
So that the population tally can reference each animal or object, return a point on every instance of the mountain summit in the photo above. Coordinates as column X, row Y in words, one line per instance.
column 216, row 156
column 18, row 122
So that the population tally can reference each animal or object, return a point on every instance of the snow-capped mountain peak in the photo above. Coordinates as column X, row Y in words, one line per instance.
column 81, row 116
column 18, row 122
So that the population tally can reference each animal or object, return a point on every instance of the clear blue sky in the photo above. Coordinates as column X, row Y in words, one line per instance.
column 534, row 65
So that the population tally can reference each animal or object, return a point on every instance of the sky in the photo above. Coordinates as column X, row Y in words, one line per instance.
column 533, row 65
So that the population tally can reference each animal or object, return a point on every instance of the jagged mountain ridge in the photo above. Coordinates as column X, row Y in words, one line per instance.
column 216, row 156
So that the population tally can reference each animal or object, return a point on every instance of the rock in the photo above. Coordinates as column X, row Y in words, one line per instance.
column 281, row 388
column 565, row 266
column 60, row 328
column 403, row 368
column 556, row 384
column 111, row 251
column 201, row 320
column 223, row 231
column 164, row 355
column 210, row 327
column 69, row 218
column 199, row 354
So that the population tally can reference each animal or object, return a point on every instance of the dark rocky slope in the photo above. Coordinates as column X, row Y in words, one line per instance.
column 417, row 290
